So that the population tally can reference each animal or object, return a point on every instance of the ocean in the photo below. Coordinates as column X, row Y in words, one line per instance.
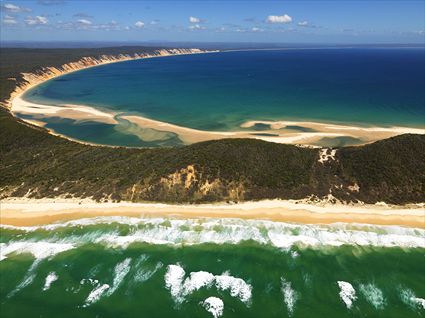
column 165, row 267
column 220, row 91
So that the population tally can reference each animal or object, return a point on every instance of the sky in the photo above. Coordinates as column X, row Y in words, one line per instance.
column 290, row 21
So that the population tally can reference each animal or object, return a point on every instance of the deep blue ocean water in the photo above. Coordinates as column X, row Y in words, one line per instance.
column 219, row 91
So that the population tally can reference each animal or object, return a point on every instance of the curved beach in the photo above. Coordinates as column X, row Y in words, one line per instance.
column 306, row 133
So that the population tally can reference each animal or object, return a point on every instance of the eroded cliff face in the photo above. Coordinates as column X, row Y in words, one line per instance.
column 45, row 73
column 189, row 184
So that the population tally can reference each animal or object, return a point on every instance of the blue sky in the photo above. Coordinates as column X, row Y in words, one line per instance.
column 337, row 21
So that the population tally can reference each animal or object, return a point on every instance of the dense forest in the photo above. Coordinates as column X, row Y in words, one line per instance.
column 37, row 164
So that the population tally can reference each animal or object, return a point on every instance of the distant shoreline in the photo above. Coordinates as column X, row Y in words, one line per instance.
column 31, row 212
column 310, row 133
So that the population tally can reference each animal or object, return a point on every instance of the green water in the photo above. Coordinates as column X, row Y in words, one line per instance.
column 274, row 269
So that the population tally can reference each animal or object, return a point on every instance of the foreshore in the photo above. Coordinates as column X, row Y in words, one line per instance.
column 304, row 133
column 31, row 212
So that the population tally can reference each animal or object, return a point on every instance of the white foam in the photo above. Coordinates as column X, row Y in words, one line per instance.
column 96, row 294
column 347, row 293
column 196, row 281
column 237, row 287
column 220, row 231
column 410, row 299
column 27, row 280
column 294, row 254
column 38, row 249
column 277, row 234
column 174, row 280
column 214, row 305
column 290, row 296
column 420, row 301
column 49, row 280
column 143, row 274
column 120, row 272
column 373, row 295
column 180, row 287
column 91, row 281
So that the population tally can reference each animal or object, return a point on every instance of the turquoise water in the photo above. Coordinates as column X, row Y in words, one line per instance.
column 220, row 91
column 127, row 267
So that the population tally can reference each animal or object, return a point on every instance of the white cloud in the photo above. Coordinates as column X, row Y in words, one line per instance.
column 256, row 29
column 37, row 20
column 196, row 27
column 110, row 26
column 303, row 23
column 84, row 22
column 279, row 19
column 139, row 24
column 194, row 20
column 9, row 7
column 87, row 25
column 9, row 20
column 51, row 2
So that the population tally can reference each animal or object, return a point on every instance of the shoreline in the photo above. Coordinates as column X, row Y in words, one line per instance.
column 279, row 132
column 308, row 133
column 31, row 212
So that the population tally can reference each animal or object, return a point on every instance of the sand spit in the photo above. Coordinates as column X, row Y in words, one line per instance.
column 27, row 212
column 280, row 131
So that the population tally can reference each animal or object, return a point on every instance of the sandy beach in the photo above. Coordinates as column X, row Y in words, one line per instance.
column 28, row 212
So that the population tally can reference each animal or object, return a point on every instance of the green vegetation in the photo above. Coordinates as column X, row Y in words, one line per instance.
column 391, row 170
column 38, row 164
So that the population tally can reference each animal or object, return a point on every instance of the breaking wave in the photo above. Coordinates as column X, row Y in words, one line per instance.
column 181, row 287
column 106, row 231
column 120, row 272
column 410, row 299
column 39, row 250
column 213, row 305
column 347, row 293
column 290, row 296
column 49, row 280
column 373, row 295
column 27, row 280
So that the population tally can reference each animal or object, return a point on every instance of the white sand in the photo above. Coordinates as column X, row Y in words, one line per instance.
column 24, row 211
column 189, row 135
column 76, row 112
